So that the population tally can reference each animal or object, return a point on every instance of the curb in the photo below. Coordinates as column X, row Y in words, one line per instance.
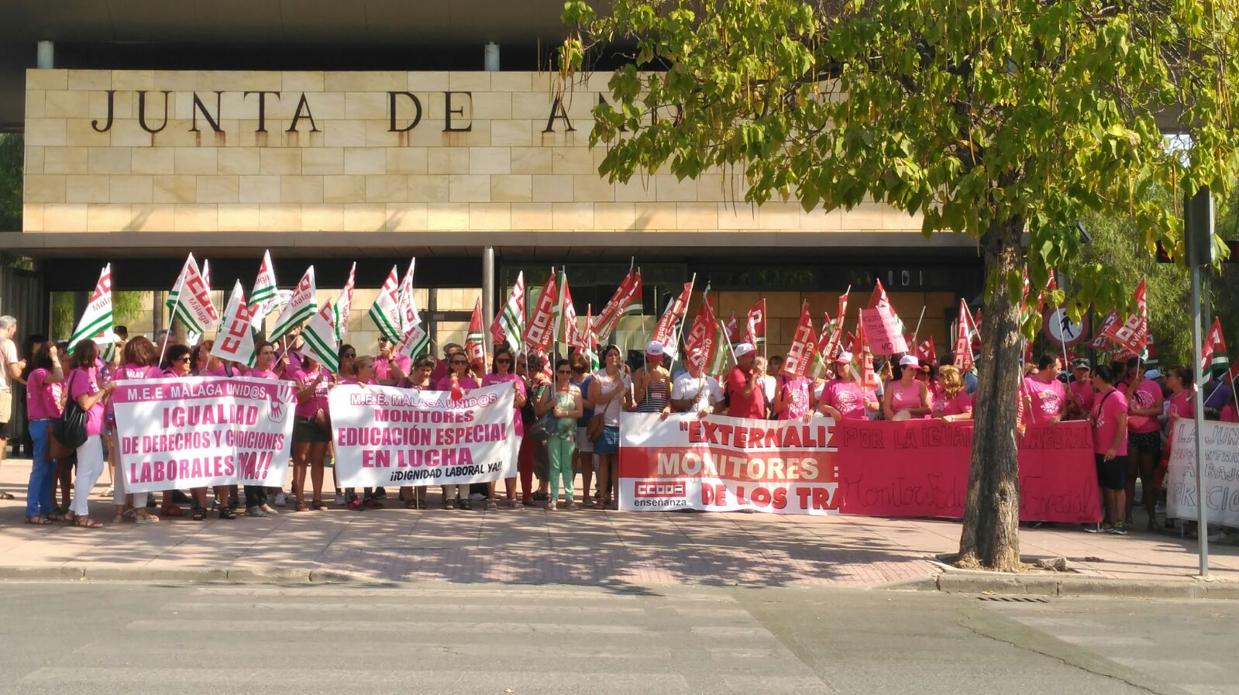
column 1070, row 586
column 241, row 575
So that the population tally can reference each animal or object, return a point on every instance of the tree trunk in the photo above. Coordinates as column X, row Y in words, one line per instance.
column 990, row 536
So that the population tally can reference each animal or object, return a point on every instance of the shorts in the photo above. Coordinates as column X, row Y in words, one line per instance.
column 608, row 443
column 1145, row 442
column 6, row 430
column 583, row 444
column 304, row 430
column 1112, row 474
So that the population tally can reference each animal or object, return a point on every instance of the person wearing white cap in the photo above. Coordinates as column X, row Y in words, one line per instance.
column 694, row 391
column 744, row 392
column 652, row 382
column 845, row 398
column 907, row 397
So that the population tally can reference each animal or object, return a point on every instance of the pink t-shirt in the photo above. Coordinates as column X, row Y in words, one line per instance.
column 1048, row 400
column 41, row 401
column 1146, row 395
column 85, row 382
column 1181, row 404
column 1082, row 393
column 493, row 378
column 959, row 405
column 905, row 396
column 382, row 366
column 467, row 383
column 1106, row 414
column 318, row 401
column 795, row 398
column 1229, row 414
column 848, row 397
column 263, row 374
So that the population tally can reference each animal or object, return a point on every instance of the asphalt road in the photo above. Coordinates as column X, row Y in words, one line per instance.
column 441, row 637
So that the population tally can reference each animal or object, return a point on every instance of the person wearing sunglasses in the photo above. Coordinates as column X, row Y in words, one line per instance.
column 501, row 373
column 176, row 362
column 459, row 380
column 419, row 380
column 586, row 464
column 565, row 405
column 390, row 367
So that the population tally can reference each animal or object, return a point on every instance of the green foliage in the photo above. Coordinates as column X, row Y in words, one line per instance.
column 62, row 315
column 975, row 114
column 126, row 306
column 12, row 153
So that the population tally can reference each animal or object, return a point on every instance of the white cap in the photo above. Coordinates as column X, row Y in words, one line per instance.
column 909, row 361
column 743, row 349
column 844, row 357
column 654, row 348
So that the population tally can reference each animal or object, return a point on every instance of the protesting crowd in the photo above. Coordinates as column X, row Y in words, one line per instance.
column 568, row 392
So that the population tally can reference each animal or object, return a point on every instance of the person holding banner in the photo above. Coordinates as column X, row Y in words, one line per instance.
column 846, row 398
column 906, row 397
column 1144, row 399
column 138, row 362
column 652, row 383
column 176, row 361
column 793, row 398
column 608, row 392
column 361, row 374
column 418, row 380
column 206, row 364
column 695, row 391
column 458, row 382
column 390, row 368
column 953, row 403
column 311, row 429
column 1045, row 398
column 256, row 497
column 565, row 406
column 1080, row 392
column 1109, row 420
column 501, row 373
column 745, row 395
column 585, row 464
column 85, row 388
column 42, row 409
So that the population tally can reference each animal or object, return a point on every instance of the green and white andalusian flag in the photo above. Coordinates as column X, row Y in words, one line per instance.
column 266, row 296
column 190, row 300
column 509, row 324
column 320, row 337
column 300, row 307
column 384, row 312
column 96, row 322
column 406, row 306
column 415, row 343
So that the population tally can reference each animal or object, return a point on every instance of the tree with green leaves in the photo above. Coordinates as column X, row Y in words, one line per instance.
column 1006, row 120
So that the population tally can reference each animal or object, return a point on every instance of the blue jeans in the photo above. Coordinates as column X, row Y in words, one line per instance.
column 42, row 471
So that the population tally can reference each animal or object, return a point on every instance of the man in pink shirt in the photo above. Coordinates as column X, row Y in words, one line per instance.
column 1109, row 419
column 1044, row 395
column 1080, row 392
column 390, row 368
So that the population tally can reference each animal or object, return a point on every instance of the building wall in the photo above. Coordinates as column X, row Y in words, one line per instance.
column 504, row 175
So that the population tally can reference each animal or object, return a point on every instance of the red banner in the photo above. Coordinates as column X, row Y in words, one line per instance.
column 920, row 468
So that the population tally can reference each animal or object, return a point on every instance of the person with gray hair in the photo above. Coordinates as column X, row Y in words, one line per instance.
column 10, row 371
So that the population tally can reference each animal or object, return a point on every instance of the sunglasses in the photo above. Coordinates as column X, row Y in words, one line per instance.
column 349, row 355
column 182, row 359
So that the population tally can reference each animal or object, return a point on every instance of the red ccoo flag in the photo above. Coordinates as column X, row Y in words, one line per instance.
column 475, row 345
column 1133, row 334
column 755, row 326
column 804, row 344
column 540, row 331
column 925, row 351
column 1215, row 344
column 882, row 325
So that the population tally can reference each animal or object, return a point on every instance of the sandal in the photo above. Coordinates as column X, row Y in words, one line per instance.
column 226, row 512
column 172, row 510
column 145, row 517
column 199, row 514
column 87, row 522
column 38, row 520
column 303, row 507
column 318, row 506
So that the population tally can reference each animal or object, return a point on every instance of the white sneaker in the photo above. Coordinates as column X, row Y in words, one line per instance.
column 281, row 499
column 550, row 506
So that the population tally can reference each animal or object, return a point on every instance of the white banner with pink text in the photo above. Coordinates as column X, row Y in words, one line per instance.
column 719, row 463
column 202, row 431
column 387, row 436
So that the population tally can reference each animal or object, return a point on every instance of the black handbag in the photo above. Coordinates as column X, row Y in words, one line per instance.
column 70, row 429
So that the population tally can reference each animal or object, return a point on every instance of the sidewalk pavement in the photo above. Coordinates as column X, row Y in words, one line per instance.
column 574, row 547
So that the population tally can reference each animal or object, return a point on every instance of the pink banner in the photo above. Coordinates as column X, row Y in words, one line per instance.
column 920, row 468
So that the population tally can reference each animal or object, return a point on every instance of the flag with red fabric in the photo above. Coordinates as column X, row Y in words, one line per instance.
column 540, row 331
column 882, row 325
column 701, row 343
column 804, row 345
column 475, row 345
column 1214, row 344
column 925, row 351
column 665, row 329
column 1132, row 335
column 625, row 300
column 964, row 328
column 755, row 324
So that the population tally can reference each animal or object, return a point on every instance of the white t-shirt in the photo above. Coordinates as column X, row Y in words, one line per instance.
column 769, row 384
column 607, row 385
column 8, row 355
column 686, row 387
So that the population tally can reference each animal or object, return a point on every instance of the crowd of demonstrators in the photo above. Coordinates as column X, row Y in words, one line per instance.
column 567, row 418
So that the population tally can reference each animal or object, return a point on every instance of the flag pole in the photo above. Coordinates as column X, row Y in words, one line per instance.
column 180, row 281
column 917, row 331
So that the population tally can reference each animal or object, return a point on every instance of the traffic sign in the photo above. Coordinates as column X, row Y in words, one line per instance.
column 1061, row 329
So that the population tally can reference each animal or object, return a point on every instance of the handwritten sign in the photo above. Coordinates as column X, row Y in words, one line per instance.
column 1220, row 458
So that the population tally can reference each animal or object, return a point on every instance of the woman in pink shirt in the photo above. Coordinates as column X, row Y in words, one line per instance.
column 1144, row 435
column 1109, row 420
column 311, row 428
column 458, row 381
column 845, row 398
column 501, row 373
column 954, row 403
column 418, row 379
column 906, row 397
column 42, row 409
column 87, row 388
column 138, row 361
column 793, row 398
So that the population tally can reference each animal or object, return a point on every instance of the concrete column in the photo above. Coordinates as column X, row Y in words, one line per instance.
column 488, row 294
column 490, row 57
column 47, row 55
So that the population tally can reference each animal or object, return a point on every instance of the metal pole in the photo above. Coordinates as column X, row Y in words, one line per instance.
column 488, row 296
column 1202, row 514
